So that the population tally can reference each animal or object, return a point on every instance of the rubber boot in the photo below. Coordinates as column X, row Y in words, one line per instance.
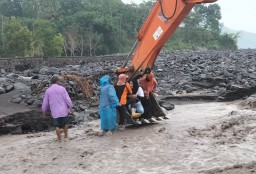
column 134, row 114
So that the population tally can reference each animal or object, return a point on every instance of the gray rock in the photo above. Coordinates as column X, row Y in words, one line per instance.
column 2, row 90
column 53, row 70
column 30, row 101
column 2, row 71
column 20, row 86
column 44, row 71
column 168, row 106
column 9, row 88
column 17, row 100
column 82, row 107
column 28, row 73
column 94, row 115
column 3, row 79
column 10, row 75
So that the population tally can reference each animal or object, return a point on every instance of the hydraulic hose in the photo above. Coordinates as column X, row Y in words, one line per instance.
column 162, row 11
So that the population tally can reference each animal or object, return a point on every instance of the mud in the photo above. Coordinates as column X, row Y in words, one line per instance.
column 246, row 168
column 199, row 138
column 231, row 131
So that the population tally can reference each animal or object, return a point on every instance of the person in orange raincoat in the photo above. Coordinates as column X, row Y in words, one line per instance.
column 148, row 83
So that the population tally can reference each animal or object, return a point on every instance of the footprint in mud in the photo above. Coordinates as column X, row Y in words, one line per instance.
column 91, row 132
column 42, row 165
column 83, row 165
column 25, row 160
column 36, row 135
column 30, row 153
column 7, row 167
column 86, row 153
column 11, row 148
column 162, row 129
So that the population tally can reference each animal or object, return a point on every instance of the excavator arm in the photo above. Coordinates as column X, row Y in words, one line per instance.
column 163, row 20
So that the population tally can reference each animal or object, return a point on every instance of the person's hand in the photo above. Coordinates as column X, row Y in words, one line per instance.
column 155, row 94
column 71, row 111
column 146, row 94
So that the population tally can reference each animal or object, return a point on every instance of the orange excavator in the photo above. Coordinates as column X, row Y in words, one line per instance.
column 163, row 19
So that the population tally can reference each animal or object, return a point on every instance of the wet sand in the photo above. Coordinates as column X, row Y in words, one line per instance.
column 6, row 107
column 198, row 138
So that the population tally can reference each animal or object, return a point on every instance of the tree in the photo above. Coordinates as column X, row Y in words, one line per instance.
column 45, row 37
column 93, row 42
column 97, row 27
column 49, row 10
column 2, row 35
column 71, row 39
column 191, row 29
column 228, row 41
column 17, row 38
column 210, row 17
column 210, row 26
column 70, row 7
column 11, row 8
column 31, row 8
column 56, row 49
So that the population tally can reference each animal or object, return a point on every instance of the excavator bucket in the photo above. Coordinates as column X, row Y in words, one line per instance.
column 156, row 108
column 157, row 111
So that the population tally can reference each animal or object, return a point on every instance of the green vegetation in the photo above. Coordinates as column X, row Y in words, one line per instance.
column 96, row 27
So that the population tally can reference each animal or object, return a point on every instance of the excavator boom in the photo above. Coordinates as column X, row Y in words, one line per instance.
column 163, row 20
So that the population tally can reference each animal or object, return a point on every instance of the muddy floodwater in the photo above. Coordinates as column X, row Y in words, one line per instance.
column 198, row 138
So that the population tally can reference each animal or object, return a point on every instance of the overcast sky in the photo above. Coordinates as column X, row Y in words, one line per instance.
column 236, row 14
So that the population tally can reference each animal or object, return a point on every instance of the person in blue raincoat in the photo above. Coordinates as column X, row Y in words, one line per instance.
column 108, row 104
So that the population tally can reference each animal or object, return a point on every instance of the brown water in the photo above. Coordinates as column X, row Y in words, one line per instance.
column 199, row 138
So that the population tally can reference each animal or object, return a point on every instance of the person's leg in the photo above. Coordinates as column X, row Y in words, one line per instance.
column 122, row 116
column 139, row 107
column 121, row 110
column 57, row 129
column 56, row 123
column 66, row 131
column 147, row 105
column 135, row 114
column 64, row 125
column 133, row 111
column 147, row 108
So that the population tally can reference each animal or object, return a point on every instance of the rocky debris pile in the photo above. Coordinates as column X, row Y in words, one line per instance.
column 229, row 74
column 81, row 82
column 25, row 122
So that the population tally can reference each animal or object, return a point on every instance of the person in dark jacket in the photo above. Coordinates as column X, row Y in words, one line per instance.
column 123, row 90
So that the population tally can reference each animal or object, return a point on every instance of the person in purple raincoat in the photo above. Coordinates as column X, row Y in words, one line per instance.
column 57, row 100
